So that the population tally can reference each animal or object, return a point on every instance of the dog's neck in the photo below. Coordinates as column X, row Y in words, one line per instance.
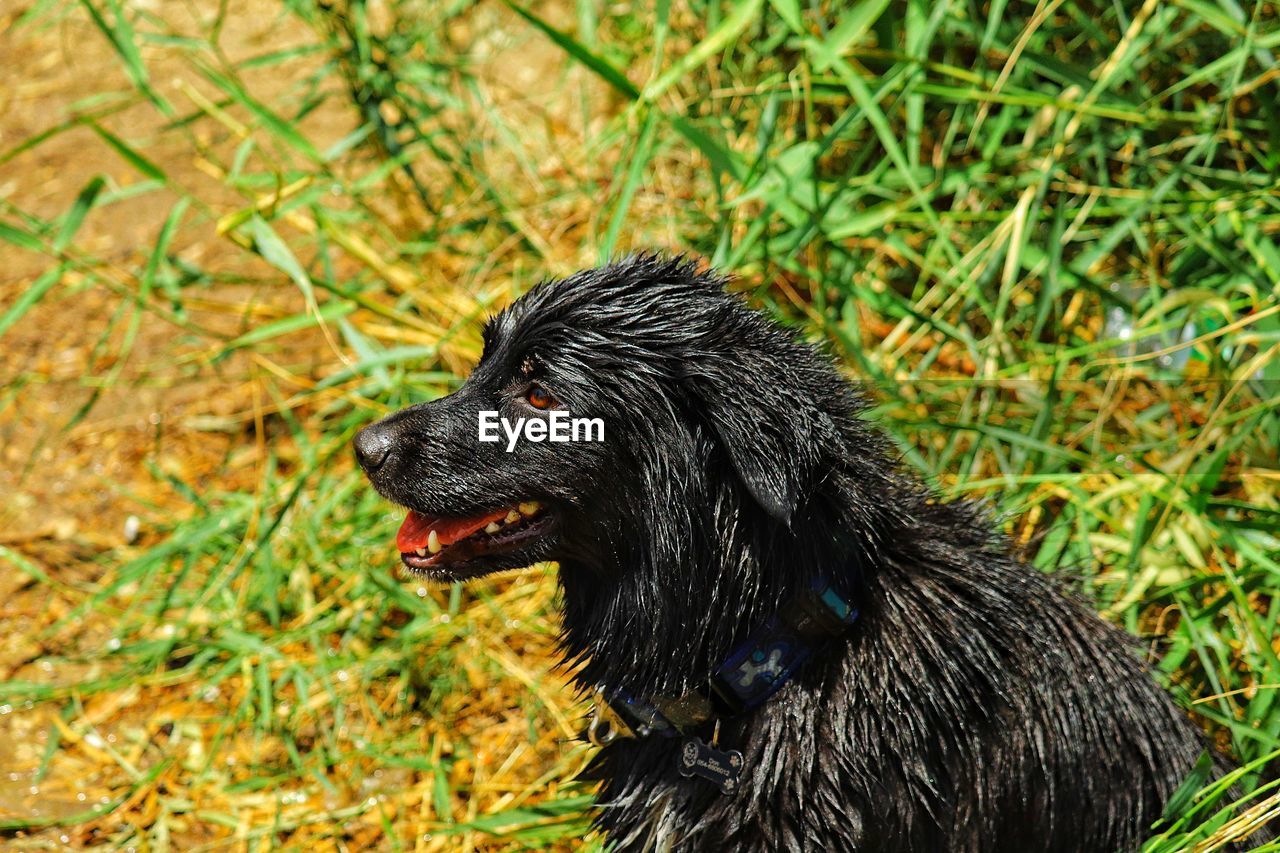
column 661, row 629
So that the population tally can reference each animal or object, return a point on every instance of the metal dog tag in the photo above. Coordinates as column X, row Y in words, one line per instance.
column 706, row 762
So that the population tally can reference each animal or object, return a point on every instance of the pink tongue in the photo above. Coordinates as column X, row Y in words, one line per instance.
column 417, row 528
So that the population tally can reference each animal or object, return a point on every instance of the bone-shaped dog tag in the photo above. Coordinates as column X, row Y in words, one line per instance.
column 718, row 766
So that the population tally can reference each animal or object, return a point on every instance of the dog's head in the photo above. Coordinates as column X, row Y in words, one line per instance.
column 691, row 388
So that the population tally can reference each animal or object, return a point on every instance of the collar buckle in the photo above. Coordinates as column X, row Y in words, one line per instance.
column 606, row 724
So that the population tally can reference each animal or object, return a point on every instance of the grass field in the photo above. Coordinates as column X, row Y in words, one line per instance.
column 1047, row 237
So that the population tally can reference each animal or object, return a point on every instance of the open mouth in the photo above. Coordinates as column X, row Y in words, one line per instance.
column 429, row 544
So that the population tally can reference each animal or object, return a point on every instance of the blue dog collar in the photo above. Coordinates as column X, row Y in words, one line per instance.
column 754, row 671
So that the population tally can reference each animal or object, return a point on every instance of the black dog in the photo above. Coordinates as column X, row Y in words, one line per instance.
column 812, row 652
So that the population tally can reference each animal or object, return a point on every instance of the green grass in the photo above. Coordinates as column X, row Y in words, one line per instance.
column 1045, row 238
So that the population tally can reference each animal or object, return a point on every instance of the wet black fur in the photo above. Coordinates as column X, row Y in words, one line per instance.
column 974, row 706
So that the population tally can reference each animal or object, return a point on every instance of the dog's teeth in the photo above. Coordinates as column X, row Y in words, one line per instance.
column 421, row 552
column 512, row 517
column 492, row 527
column 433, row 543
column 530, row 508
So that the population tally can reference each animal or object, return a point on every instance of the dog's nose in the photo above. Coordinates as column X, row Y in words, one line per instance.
column 373, row 446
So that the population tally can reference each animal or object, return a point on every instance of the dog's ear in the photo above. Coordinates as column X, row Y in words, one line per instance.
column 771, row 431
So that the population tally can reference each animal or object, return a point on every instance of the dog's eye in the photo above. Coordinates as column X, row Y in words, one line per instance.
column 540, row 398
